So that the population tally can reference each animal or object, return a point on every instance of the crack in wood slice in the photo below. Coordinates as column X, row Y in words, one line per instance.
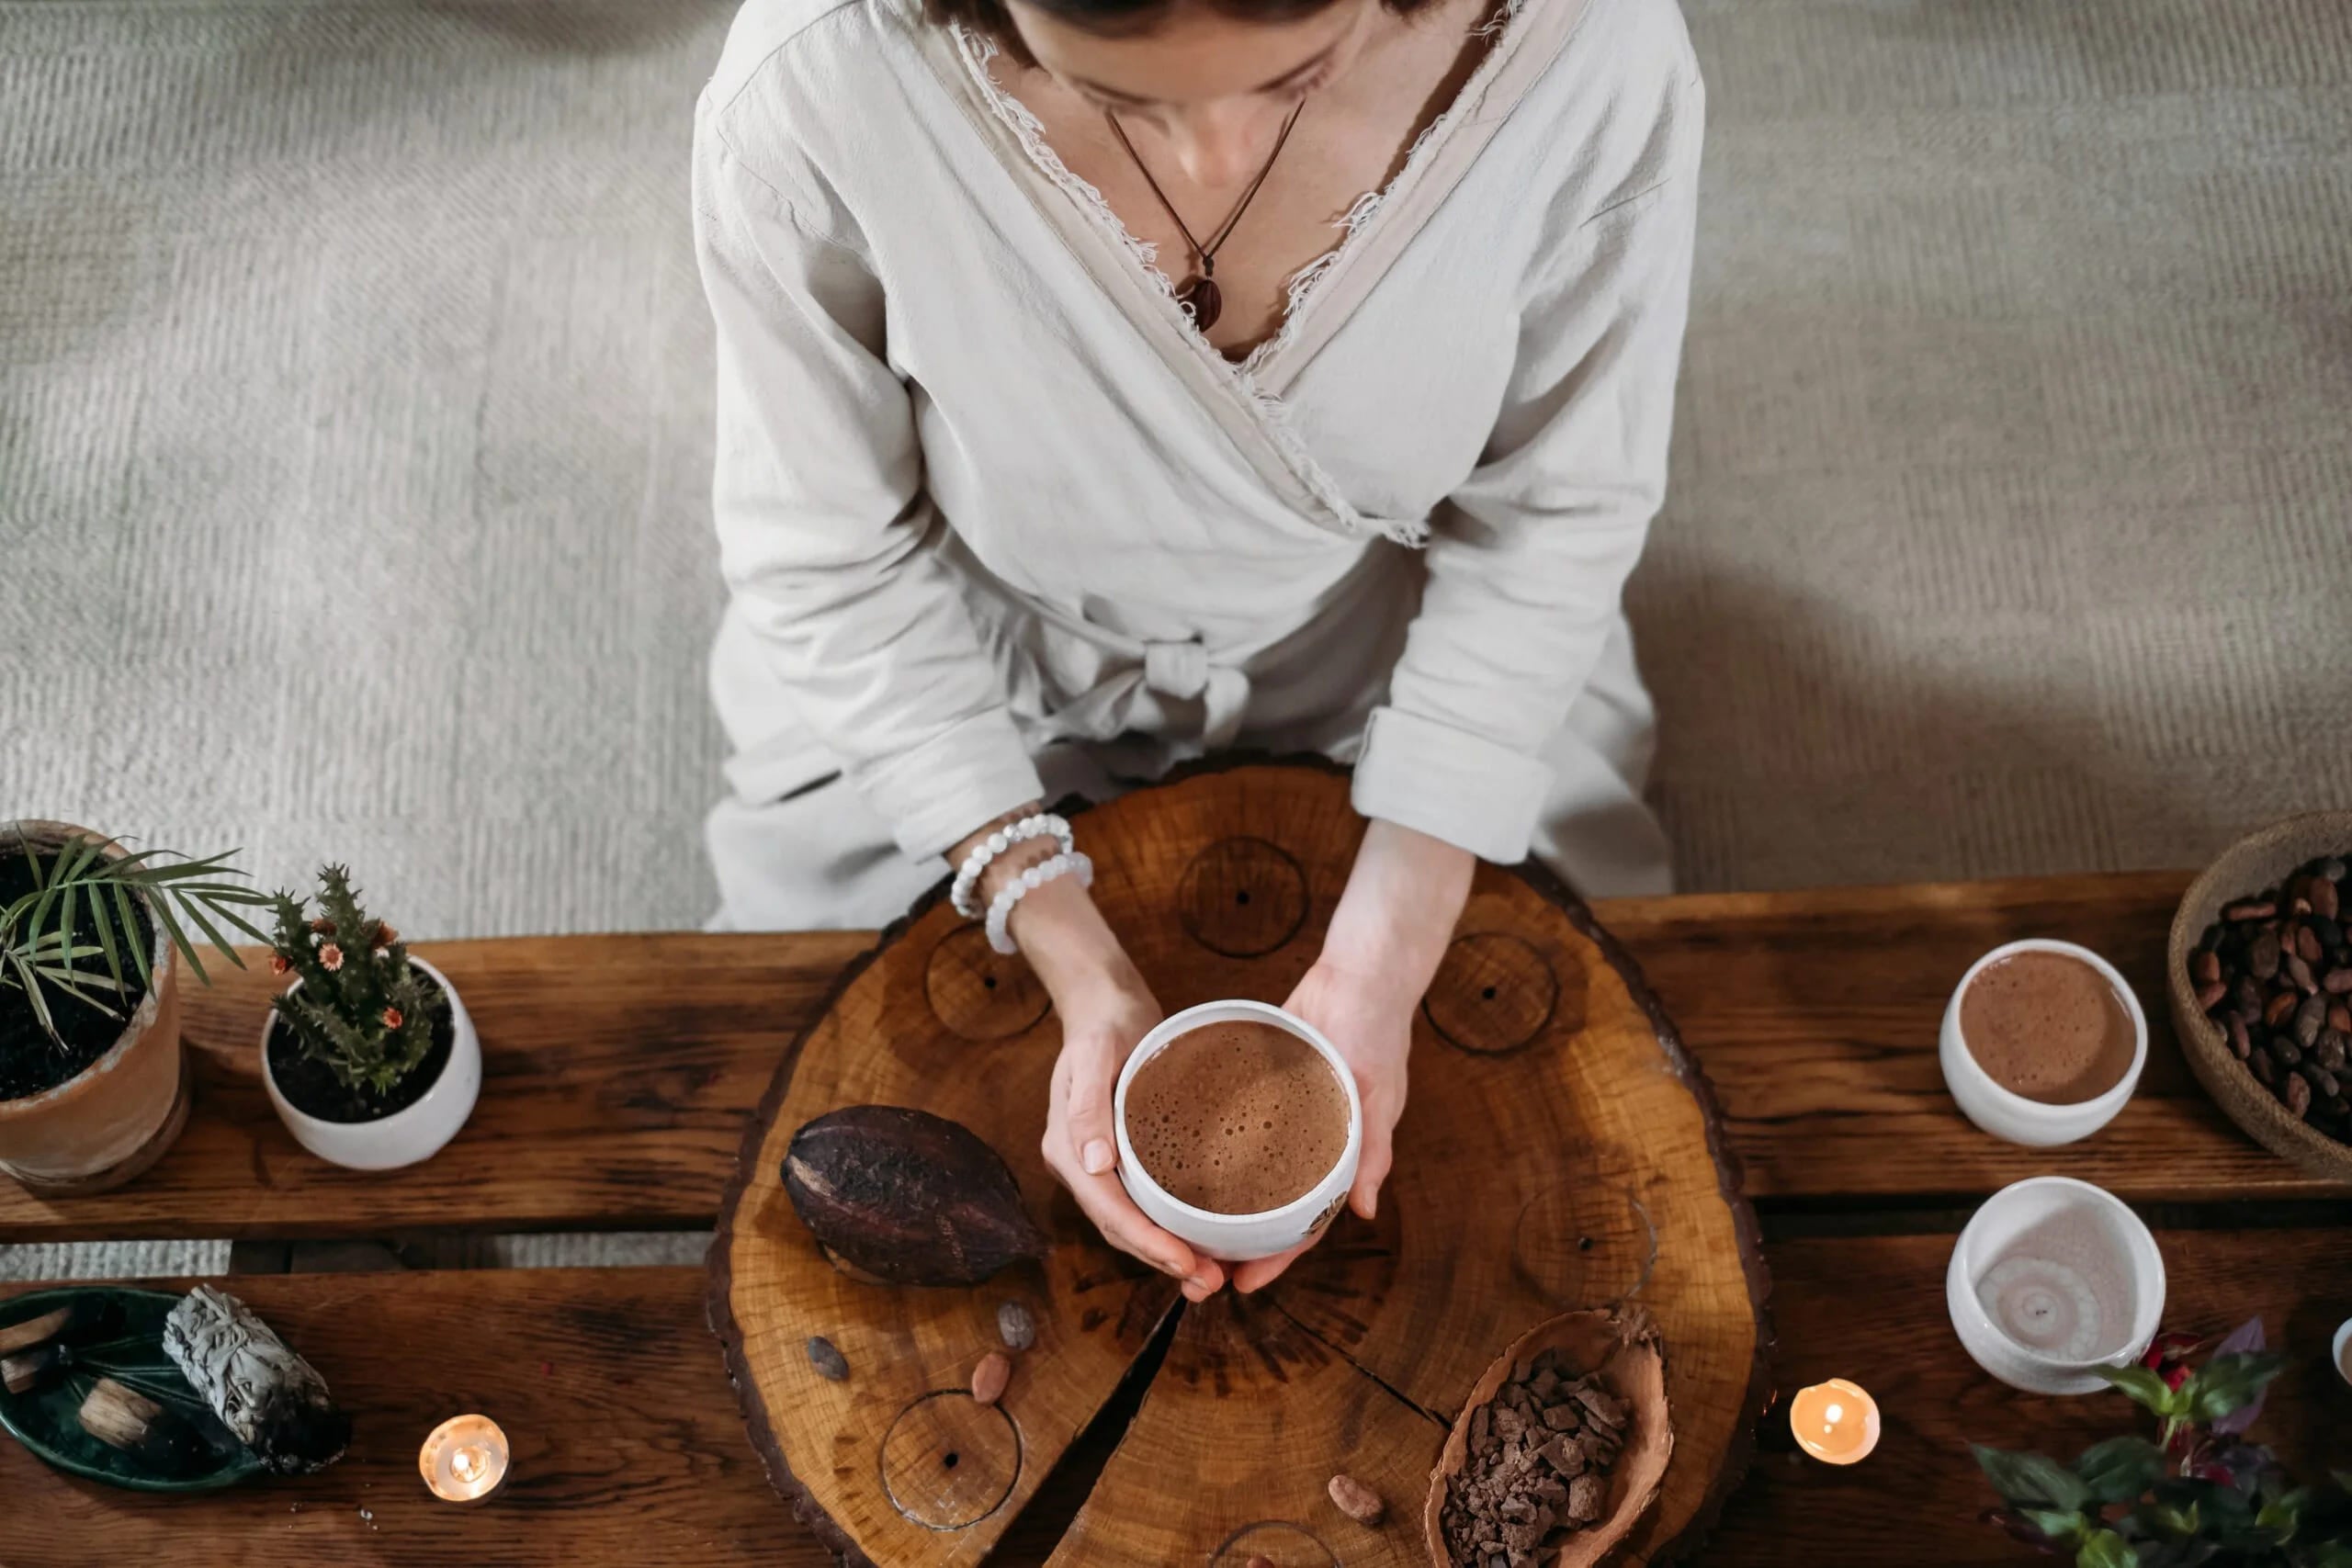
column 1556, row 1142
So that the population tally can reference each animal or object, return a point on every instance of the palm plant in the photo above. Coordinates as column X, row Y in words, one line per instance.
column 42, row 952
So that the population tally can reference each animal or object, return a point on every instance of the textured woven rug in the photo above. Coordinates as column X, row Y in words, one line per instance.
column 354, row 441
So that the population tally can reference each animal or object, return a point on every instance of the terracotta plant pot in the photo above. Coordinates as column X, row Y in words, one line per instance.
column 115, row 1118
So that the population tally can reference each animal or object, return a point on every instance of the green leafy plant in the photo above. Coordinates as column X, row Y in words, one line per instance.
column 2198, row 1493
column 362, row 1009
column 79, row 882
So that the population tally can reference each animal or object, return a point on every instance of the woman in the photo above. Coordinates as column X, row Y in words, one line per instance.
column 1005, row 517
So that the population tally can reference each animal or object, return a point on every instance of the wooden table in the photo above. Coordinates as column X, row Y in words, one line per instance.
column 621, row 1069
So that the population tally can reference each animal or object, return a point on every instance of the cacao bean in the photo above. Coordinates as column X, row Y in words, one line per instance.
column 1361, row 1504
column 2281, row 1003
column 2328, row 928
column 2331, row 869
column 2307, row 944
column 2310, row 1018
column 2262, row 955
column 2323, row 1082
column 829, row 1363
column 2250, row 911
column 2339, row 980
column 908, row 1197
column 2240, row 1047
column 2264, row 1066
column 991, row 1376
column 2332, row 1049
column 2209, row 997
column 2297, row 1095
column 1015, row 1327
column 2250, row 996
column 2205, row 969
column 2339, row 1018
column 2301, row 973
column 1259, row 1562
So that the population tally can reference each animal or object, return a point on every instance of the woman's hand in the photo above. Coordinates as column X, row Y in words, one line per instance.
column 1105, row 1008
column 1392, row 926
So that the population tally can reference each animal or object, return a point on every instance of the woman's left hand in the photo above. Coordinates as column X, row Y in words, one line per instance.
column 1370, row 1023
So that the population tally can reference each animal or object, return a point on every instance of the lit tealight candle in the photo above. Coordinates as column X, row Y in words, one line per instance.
column 1834, row 1421
column 464, row 1459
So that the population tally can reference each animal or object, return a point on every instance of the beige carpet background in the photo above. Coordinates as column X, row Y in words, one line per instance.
column 354, row 436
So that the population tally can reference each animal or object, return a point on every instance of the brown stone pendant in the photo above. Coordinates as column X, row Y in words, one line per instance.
column 1202, row 301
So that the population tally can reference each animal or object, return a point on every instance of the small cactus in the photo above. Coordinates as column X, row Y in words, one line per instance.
column 361, row 1011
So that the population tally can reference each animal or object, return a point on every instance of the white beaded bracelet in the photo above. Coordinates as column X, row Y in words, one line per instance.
column 1068, row 862
column 967, row 878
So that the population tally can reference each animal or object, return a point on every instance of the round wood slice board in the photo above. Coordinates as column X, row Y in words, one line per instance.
column 1559, row 1150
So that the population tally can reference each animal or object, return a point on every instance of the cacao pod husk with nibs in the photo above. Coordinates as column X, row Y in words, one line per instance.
column 907, row 1198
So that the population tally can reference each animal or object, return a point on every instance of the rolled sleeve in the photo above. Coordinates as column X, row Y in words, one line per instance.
column 937, row 793
column 1469, row 791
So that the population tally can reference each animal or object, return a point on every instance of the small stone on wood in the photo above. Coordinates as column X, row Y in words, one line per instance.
column 830, row 1364
column 1015, row 1325
column 1356, row 1500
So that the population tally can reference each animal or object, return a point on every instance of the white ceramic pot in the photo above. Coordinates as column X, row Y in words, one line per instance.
column 406, row 1136
column 2007, row 1114
column 1237, row 1238
column 2106, row 1260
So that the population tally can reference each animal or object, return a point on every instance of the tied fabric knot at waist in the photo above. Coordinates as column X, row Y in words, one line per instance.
column 1180, row 671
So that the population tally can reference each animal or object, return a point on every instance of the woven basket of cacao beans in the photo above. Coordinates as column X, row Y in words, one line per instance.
column 2259, row 971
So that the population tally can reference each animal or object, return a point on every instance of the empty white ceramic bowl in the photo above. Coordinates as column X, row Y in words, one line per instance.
column 1237, row 1238
column 2007, row 1114
column 2121, row 1270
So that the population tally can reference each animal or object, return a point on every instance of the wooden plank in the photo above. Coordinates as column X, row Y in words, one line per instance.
column 621, row 1068
column 1816, row 1014
column 1873, row 1310
column 630, row 1447
column 617, row 1074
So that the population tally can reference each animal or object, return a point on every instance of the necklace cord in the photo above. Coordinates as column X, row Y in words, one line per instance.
column 1207, row 254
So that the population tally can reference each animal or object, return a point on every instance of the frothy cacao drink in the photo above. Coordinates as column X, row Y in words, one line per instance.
column 2047, row 1026
column 1236, row 1118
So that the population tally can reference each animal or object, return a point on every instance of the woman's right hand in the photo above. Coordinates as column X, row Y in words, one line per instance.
column 1105, row 1008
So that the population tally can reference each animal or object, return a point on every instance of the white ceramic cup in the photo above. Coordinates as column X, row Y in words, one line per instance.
column 2007, row 1114
column 405, row 1137
column 2342, row 1350
column 1237, row 1238
column 2123, row 1271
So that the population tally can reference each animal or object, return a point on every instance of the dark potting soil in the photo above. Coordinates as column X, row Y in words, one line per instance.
column 314, row 1089
column 30, row 1062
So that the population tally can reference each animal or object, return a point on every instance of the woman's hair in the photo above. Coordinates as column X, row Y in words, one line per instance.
column 1119, row 18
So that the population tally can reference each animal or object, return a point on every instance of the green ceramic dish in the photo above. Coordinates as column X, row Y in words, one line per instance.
column 46, row 1420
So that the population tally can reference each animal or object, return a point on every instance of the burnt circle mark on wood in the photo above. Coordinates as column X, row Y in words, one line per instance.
column 978, row 992
column 1495, row 994
column 1278, row 1542
column 1242, row 898
column 1582, row 1244
column 949, row 1462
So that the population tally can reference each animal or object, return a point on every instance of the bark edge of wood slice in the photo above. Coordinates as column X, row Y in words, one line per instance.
column 1552, row 1017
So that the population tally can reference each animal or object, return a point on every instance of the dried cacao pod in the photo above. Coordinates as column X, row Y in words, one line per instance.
column 907, row 1198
